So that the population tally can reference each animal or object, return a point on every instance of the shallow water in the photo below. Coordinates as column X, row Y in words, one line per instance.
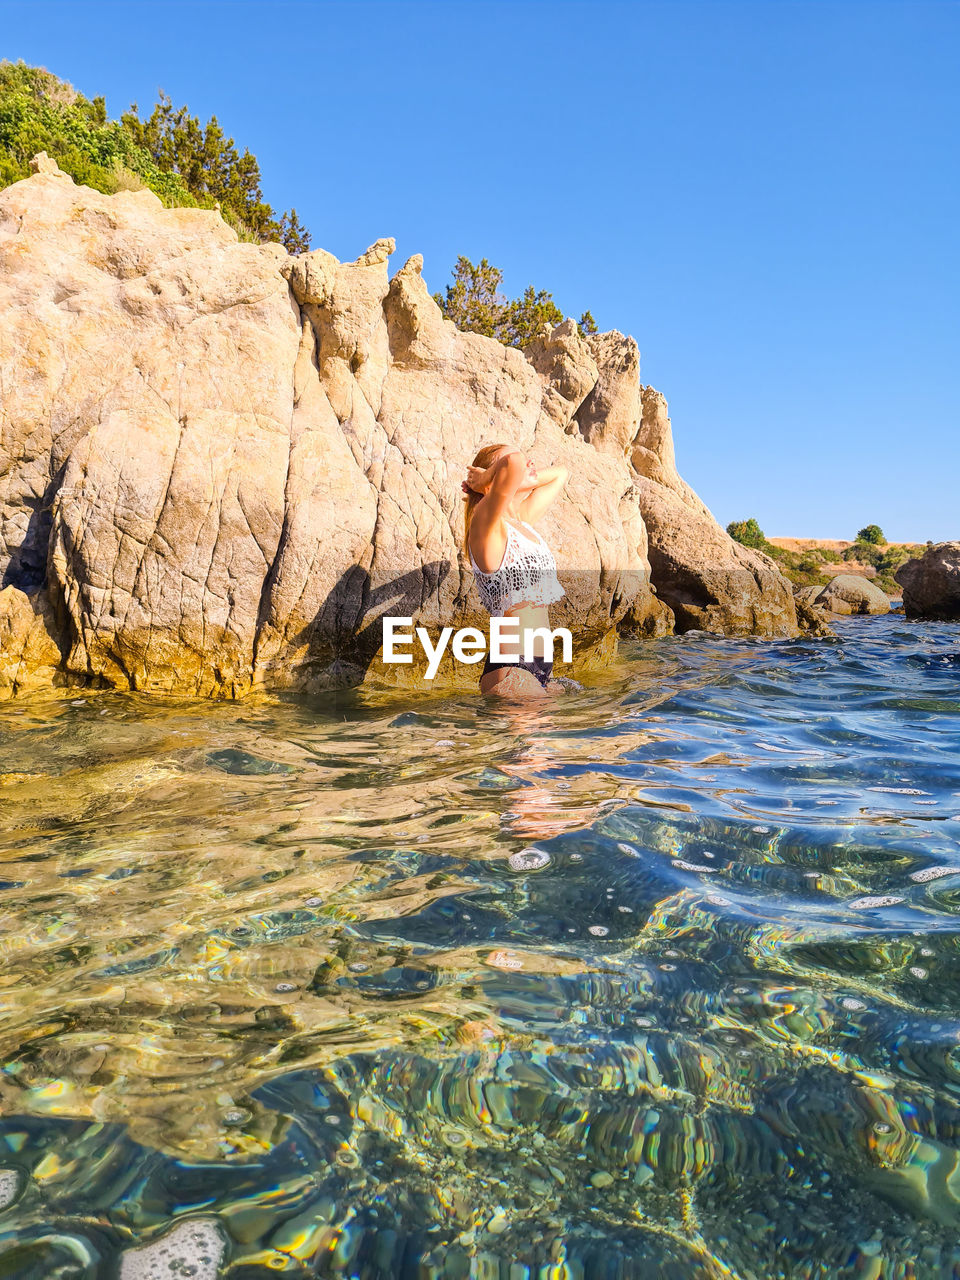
column 660, row 981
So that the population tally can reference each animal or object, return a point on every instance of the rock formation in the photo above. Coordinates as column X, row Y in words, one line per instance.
column 931, row 583
column 221, row 465
column 849, row 593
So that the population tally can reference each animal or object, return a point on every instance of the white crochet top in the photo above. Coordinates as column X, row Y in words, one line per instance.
column 527, row 574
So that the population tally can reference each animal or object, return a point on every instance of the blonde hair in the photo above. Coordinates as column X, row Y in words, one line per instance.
column 484, row 458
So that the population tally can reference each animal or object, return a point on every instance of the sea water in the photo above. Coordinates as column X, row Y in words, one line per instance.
column 658, row 979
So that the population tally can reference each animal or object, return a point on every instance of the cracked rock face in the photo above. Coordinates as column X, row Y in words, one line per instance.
column 931, row 583
column 220, row 465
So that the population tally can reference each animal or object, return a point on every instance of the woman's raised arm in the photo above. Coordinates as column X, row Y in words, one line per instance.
column 550, row 483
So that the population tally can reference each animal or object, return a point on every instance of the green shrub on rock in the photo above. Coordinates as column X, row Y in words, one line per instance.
column 185, row 163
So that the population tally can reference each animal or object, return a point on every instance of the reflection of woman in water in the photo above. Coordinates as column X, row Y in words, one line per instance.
column 515, row 571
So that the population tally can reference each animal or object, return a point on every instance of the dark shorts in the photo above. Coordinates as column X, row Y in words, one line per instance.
column 538, row 667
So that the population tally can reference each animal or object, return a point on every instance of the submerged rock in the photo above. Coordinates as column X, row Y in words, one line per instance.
column 931, row 583
column 850, row 593
column 222, row 465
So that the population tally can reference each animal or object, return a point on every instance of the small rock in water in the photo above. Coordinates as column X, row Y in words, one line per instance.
column 193, row 1248
column 601, row 1179
column 232, row 760
column 498, row 1224
column 528, row 860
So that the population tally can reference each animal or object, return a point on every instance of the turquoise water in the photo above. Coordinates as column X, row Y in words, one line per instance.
column 661, row 980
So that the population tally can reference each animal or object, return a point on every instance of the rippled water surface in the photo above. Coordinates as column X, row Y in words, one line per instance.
column 662, row 980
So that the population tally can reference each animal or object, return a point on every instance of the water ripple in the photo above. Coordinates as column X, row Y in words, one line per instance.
column 661, row 980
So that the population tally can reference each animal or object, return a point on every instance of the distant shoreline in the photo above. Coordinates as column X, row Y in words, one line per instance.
column 827, row 544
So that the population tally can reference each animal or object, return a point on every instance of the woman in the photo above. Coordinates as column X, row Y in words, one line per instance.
column 515, row 571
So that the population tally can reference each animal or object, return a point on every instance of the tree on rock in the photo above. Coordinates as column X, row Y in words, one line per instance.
column 871, row 533
column 474, row 303
column 748, row 533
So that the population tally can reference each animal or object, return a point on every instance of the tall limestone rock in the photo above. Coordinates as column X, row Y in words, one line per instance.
column 221, row 465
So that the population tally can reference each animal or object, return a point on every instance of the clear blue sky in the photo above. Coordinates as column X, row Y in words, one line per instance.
column 764, row 194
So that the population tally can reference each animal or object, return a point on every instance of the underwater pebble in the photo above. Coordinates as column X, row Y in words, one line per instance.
column 193, row 1248
column 498, row 1224
column 528, row 860
column 601, row 1179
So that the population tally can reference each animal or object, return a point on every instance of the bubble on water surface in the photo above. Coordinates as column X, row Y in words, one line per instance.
column 285, row 986
column 193, row 1248
column 848, row 1002
column 454, row 1137
column 9, row 1182
column 866, row 904
column 598, row 930
column 933, row 873
column 528, row 860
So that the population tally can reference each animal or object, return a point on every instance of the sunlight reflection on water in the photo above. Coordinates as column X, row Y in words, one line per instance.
column 661, row 980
